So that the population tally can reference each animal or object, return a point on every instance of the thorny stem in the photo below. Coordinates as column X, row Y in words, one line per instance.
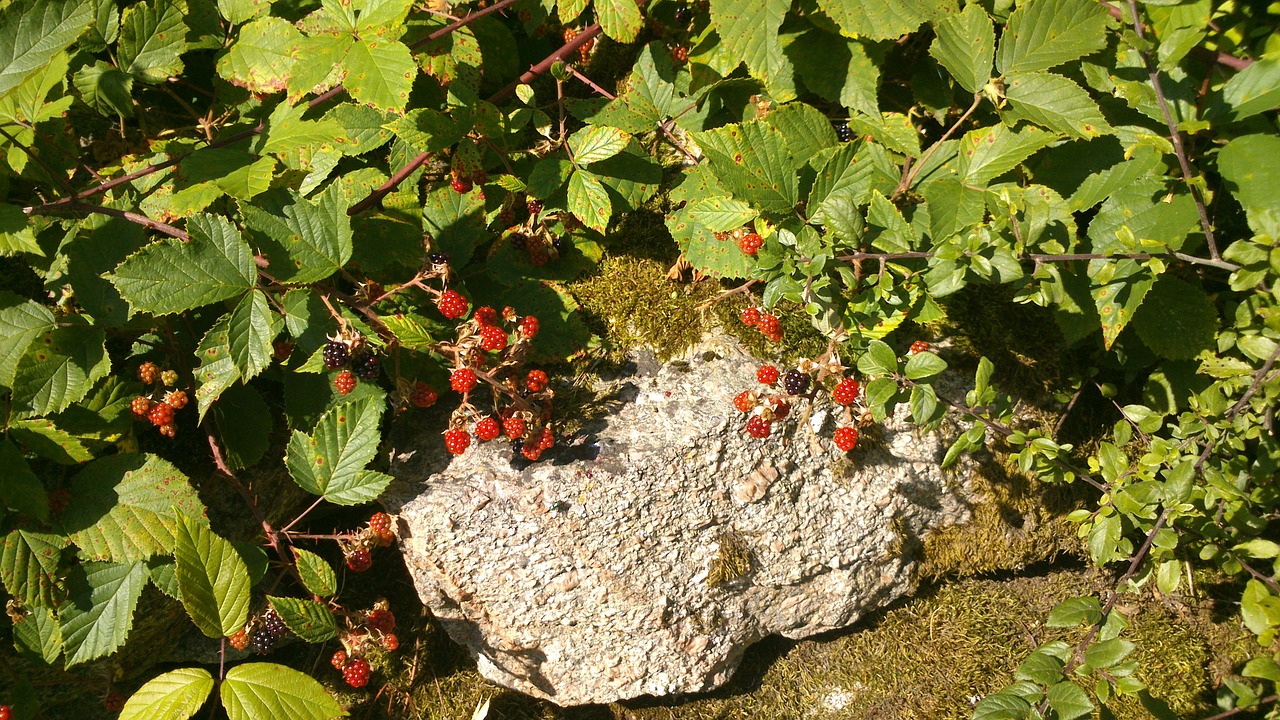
column 1209, row 56
column 132, row 217
column 910, row 170
column 1231, row 713
column 572, row 46
column 1179, row 149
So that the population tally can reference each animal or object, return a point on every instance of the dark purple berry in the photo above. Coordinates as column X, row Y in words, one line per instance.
column 683, row 14
column 559, row 244
column 795, row 382
column 518, row 241
column 843, row 131
column 335, row 355
column 274, row 624
column 366, row 368
column 262, row 641
column 439, row 258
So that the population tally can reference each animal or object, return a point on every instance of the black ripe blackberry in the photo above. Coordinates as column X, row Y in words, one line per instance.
column 683, row 14
column 517, row 446
column 843, row 131
column 366, row 368
column 518, row 241
column 439, row 258
column 559, row 244
column 795, row 382
column 262, row 641
column 274, row 624
column 335, row 355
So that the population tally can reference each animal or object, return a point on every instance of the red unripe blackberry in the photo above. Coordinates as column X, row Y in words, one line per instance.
column 456, row 440
column 529, row 326
column 758, row 427
column 148, row 373
column 750, row 316
column 168, row 429
column 745, row 401
column 160, row 414
column 918, row 346
column 846, row 391
column 176, row 399
column 546, row 439
column 513, row 427
column 533, row 206
column 239, row 639
column 569, row 34
column 345, row 382
column 751, row 243
column 769, row 325
column 487, row 429
column 380, row 523
column 767, row 374
column 486, row 315
column 680, row 53
column 140, row 406
column 462, row 186
column 381, row 620
column 6, row 712
column 114, row 702
column 423, row 396
column 451, row 304
column 359, row 560
column 339, row 659
column 531, row 452
column 795, row 382
column 462, row 380
column 781, row 408
column 846, row 438
column 536, row 381
column 335, row 355
column 390, row 643
column 493, row 338
column 356, row 673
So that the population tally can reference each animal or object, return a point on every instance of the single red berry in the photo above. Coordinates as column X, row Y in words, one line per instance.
column 177, row 399
column 680, row 53
column 846, row 391
column 487, row 429
column 918, row 346
column 767, row 375
column 168, row 430
column 140, row 406
column 534, row 207
column 846, row 438
column 529, row 326
column 584, row 52
column 751, row 243
column 569, row 34
column 460, row 185
column 781, row 408
column 359, row 560
column 451, row 304
column 356, row 673
column 456, row 440
column 770, row 326
column 513, row 427
column 114, row 702
column 531, row 452
column 546, row 439
column 390, row 643
column 486, row 315
column 758, row 427
column 536, row 381
column 160, row 414
column 381, row 620
column 239, row 639
column 462, row 380
column 148, row 373
column 5, row 712
column 380, row 523
column 745, row 401
column 423, row 396
column 339, row 660
column 493, row 338
column 345, row 382
column 750, row 316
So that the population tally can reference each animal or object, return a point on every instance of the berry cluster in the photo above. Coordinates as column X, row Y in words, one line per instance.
column 918, row 346
column 349, row 351
column 262, row 633
column 767, row 323
column 160, row 402
column 584, row 52
column 380, row 525
column 843, row 131
column 363, row 632
column 773, row 402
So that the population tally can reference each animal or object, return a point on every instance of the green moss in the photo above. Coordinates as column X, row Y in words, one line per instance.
column 734, row 559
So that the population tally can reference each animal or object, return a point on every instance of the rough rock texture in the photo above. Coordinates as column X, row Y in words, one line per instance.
column 647, row 556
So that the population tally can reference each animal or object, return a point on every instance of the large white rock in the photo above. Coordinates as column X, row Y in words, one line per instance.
column 645, row 558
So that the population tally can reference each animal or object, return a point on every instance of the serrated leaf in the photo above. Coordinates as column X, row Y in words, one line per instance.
column 1055, row 102
column 153, row 36
column 33, row 31
column 212, row 578
column 234, row 170
column 287, row 133
column 1118, row 297
column 106, row 89
column 242, row 422
column 175, row 695
column 251, row 328
column 1100, row 185
column 97, row 616
column 1040, row 667
column 898, row 235
column 59, row 367
column 1254, row 183
column 330, row 462
column 880, row 19
column 1068, row 700
column 966, row 45
column 317, row 574
column 842, row 185
column 893, row 130
column 309, row 620
column 217, row 371
column 806, row 131
column 261, row 58
column 254, row 691
column 748, row 31
column 1255, row 89
column 721, row 214
column 597, row 142
column 953, row 208
column 620, row 19
column 306, row 240
column 29, row 565
column 987, row 153
column 1002, row 706
column 588, row 200
column 16, row 234
column 1044, row 33
column 172, row 276
column 1177, row 319
column 380, row 73
column 122, row 507
column 39, row 634
column 1075, row 611
column 753, row 162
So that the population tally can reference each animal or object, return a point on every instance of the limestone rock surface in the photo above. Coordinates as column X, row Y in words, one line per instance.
column 644, row 557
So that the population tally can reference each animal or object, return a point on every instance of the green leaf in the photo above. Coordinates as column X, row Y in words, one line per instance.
column 1254, row 183
column 21, row 490
column 589, row 201
column 287, row 133
column 1074, row 611
column 309, row 620
column 97, row 616
column 380, row 73
column 217, row 370
column 748, row 31
column 29, row 565
column 620, row 19
column 965, row 45
column 106, row 89
column 1177, row 319
column 317, row 575
column 1040, row 667
column 123, row 507
column 924, row 365
column 261, row 58
column 242, row 422
column 1002, row 706
column 806, row 131
column 953, row 207
column 33, row 31
column 1262, row 667
column 987, row 153
column 238, row 12
column 1068, row 700
column 330, row 462
column 175, row 695
column 838, row 69
column 1258, row 548
column 1108, row 652
column 879, row 359
column 843, row 184
column 1255, row 89
column 255, row 691
column 39, row 634
column 595, row 143
column 20, row 323
column 172, row 276
column 59, row 367
column 16, row 235
column 881, row 19
column 721, row 214
column 1055, row 102
column 1100, row 185
column 1118, row 292
column 1044, row 33
column 251, row 329
column 305, row 240
column 753, row 162
column 924, row 405
column 153, row 36
column 212, row 578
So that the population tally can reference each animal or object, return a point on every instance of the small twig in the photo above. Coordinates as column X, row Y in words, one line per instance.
column 1231, row 713
column 295, row 521
column 744, row 287
column 1045, row 257
column 1258, row 378
column 591, row 84
column 589, row 33
column 132, row 217
column 375, row 197
column 1057, row 428
column 910, row 170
